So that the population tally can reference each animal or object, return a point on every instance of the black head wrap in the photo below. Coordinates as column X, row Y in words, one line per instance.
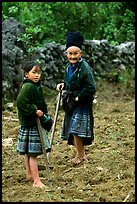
column 74, row 39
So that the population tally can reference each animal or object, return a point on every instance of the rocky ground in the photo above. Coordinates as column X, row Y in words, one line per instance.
column 109, row 174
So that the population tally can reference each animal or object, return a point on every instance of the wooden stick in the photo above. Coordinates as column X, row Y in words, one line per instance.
column 43, row 148
column 126, row 198
column 55, row 120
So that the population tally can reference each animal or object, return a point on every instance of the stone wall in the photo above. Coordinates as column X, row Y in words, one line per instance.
column 12, row 57
column 102, row 56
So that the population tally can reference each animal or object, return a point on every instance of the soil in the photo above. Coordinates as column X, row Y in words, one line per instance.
column 109, row 174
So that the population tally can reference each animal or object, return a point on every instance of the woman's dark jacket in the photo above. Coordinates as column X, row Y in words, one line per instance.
column 82, row 83
column 29, row 99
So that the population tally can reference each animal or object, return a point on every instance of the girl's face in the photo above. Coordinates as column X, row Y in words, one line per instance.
column 73, row 54
column 34, row 74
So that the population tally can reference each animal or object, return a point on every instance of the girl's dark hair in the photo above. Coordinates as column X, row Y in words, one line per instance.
column 29, row 65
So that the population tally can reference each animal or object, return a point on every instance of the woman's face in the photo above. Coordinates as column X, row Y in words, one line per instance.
column 73, row 54
column 34, row 74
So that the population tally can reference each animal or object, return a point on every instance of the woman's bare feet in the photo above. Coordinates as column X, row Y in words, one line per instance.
column 78, row 160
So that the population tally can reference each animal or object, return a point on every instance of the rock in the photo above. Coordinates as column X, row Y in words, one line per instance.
column 7, row 142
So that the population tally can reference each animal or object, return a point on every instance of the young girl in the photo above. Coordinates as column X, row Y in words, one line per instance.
column 80, row 85
column 30, row 104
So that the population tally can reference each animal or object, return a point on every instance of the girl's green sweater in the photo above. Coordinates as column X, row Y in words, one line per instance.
column 29, row 99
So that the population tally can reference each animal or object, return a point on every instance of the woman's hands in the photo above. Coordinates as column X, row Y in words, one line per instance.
column 77, row 98
column 60, row 86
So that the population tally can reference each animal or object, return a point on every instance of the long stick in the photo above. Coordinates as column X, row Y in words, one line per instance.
column 55, row 120
column 43, row 148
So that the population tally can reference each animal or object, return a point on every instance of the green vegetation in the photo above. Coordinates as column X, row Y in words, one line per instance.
column 47, row 22
column 50, row 21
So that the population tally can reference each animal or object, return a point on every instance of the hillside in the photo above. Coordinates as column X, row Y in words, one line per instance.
column 109, row 175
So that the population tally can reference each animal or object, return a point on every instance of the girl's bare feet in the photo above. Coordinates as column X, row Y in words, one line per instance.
column 29, row 178
column 39, row 184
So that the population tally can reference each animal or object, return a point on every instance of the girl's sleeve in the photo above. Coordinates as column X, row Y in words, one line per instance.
column 41, row 103
column 24, row 103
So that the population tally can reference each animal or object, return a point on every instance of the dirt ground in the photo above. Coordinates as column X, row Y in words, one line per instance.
column 109, row 174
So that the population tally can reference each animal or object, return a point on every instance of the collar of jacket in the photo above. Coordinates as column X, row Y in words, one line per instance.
column 30, row 81
column 76, row 66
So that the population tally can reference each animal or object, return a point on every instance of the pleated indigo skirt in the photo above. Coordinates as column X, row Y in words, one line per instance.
column 29, row 141
column 80, row 123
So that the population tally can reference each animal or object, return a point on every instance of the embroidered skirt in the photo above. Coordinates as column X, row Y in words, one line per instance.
column 80, row 123
column 29, row 141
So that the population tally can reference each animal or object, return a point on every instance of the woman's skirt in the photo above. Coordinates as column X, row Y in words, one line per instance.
column 29, row 141
column 80, row 123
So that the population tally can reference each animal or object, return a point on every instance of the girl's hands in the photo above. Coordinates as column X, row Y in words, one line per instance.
column 60, row 86
column 39, row 113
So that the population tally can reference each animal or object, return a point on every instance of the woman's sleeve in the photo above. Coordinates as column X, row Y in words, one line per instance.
column 89, row 85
